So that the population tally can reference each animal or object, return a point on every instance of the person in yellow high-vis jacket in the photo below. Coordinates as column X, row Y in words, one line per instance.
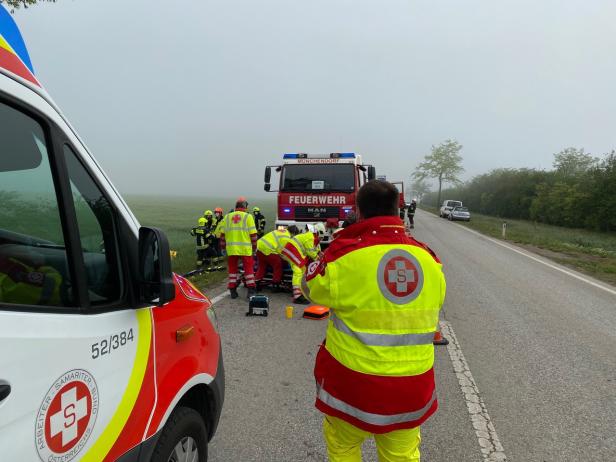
column 298, row 252
column 29, row 283
column 374, row 372
column 269, row 249
column 238, row 236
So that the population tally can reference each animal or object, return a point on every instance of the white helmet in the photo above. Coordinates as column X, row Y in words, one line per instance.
column 319, row 228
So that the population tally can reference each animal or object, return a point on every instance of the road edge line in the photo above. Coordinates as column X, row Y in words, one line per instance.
column 540, row 260
column 219, row 297
column 491, row 447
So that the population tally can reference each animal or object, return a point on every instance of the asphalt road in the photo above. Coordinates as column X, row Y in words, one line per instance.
column 540, row 344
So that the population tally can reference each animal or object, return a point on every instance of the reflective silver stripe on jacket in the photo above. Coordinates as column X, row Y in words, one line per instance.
column 268, row 244
column 369, row 417
column 300, row 245
column 238, row 227
column 291, row 257
column 247, row 244
column 389, row 340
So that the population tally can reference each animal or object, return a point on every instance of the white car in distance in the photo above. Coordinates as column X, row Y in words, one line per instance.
column 459, row 213
column 447, row 207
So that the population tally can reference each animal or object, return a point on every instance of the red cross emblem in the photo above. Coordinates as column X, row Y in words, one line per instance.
column 236, row 219
column 400, row 276
column 68, row 417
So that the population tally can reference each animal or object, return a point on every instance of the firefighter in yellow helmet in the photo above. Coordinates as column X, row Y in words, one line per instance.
column 374, row 371
column 260, row 222
column 299, row 251
column 201, row 240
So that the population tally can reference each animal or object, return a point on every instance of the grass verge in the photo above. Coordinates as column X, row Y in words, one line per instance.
column 590, row 252
column 177, row 216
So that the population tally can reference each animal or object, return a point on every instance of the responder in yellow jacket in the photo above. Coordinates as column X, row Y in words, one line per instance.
column 298, row 252
column 374, row 372
column 28, row 283
column 269, row 248
column 239, row 238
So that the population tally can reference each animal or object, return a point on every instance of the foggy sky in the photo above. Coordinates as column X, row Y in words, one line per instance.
column 195, row 97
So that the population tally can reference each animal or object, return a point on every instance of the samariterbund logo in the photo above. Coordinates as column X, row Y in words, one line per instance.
column 66, row 417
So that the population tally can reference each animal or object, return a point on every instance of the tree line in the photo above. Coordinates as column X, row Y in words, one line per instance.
column 579, row 192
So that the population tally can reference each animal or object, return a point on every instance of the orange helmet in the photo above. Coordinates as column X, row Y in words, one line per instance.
column 218, row 210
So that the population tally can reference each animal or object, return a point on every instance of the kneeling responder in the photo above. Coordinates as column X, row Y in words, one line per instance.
column 269, row 248
column 299, row 251
column 259, row 222
column 374, row 371
column 239, row 239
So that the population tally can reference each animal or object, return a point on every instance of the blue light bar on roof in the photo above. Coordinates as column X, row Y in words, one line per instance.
column 342, row 155
column 295, row 156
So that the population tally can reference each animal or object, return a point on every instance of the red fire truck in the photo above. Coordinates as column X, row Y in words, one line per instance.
column 318, row 188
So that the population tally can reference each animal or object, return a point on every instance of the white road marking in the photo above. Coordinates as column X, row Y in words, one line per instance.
column 219, row 297
column 490, row 445
column 539, row 260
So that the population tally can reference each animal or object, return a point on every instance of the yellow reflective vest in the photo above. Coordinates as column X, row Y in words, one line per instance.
column 237, row 230
column 273, row 242
column 385, row 291
column 27, row 285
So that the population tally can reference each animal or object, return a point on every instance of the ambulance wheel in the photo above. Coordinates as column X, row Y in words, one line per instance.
column 184, row 437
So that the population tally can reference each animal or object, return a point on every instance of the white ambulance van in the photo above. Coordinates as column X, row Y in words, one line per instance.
column 105, row 354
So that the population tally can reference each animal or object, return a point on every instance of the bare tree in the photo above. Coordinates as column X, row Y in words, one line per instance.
column 443, row 163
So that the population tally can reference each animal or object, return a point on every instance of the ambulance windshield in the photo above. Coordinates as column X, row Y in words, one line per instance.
column 318, row 177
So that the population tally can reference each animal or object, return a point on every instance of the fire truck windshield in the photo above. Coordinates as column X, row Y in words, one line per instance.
column 318, row 177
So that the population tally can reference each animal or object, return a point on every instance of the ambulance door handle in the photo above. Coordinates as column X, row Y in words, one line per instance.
column 5, row 390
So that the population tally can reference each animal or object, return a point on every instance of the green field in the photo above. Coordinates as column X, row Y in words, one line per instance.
column 177, row 216
column 590, row 252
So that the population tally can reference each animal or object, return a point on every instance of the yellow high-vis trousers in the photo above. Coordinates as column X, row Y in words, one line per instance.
column 344, row 442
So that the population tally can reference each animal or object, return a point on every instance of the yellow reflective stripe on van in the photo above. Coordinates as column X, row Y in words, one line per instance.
column 4, row 44
column 110, row 434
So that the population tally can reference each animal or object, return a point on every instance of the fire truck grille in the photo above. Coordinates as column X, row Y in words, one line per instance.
column 316, row 212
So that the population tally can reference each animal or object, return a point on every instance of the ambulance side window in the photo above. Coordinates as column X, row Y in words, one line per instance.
column 95, row 220
column 34, row 269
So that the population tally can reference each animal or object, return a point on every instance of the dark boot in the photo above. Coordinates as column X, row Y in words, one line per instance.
column 301, row 300
column 251, row 292
column 276, row 288
column 233, row 293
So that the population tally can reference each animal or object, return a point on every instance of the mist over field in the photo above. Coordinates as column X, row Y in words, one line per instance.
column 195, row 98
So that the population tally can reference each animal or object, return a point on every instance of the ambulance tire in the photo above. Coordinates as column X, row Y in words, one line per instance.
column 183, row 422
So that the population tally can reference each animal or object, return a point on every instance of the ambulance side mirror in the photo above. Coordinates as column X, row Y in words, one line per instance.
column 156, row 285
column 371, row 173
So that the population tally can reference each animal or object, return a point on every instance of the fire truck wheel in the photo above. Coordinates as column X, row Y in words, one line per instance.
column 184, row 437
